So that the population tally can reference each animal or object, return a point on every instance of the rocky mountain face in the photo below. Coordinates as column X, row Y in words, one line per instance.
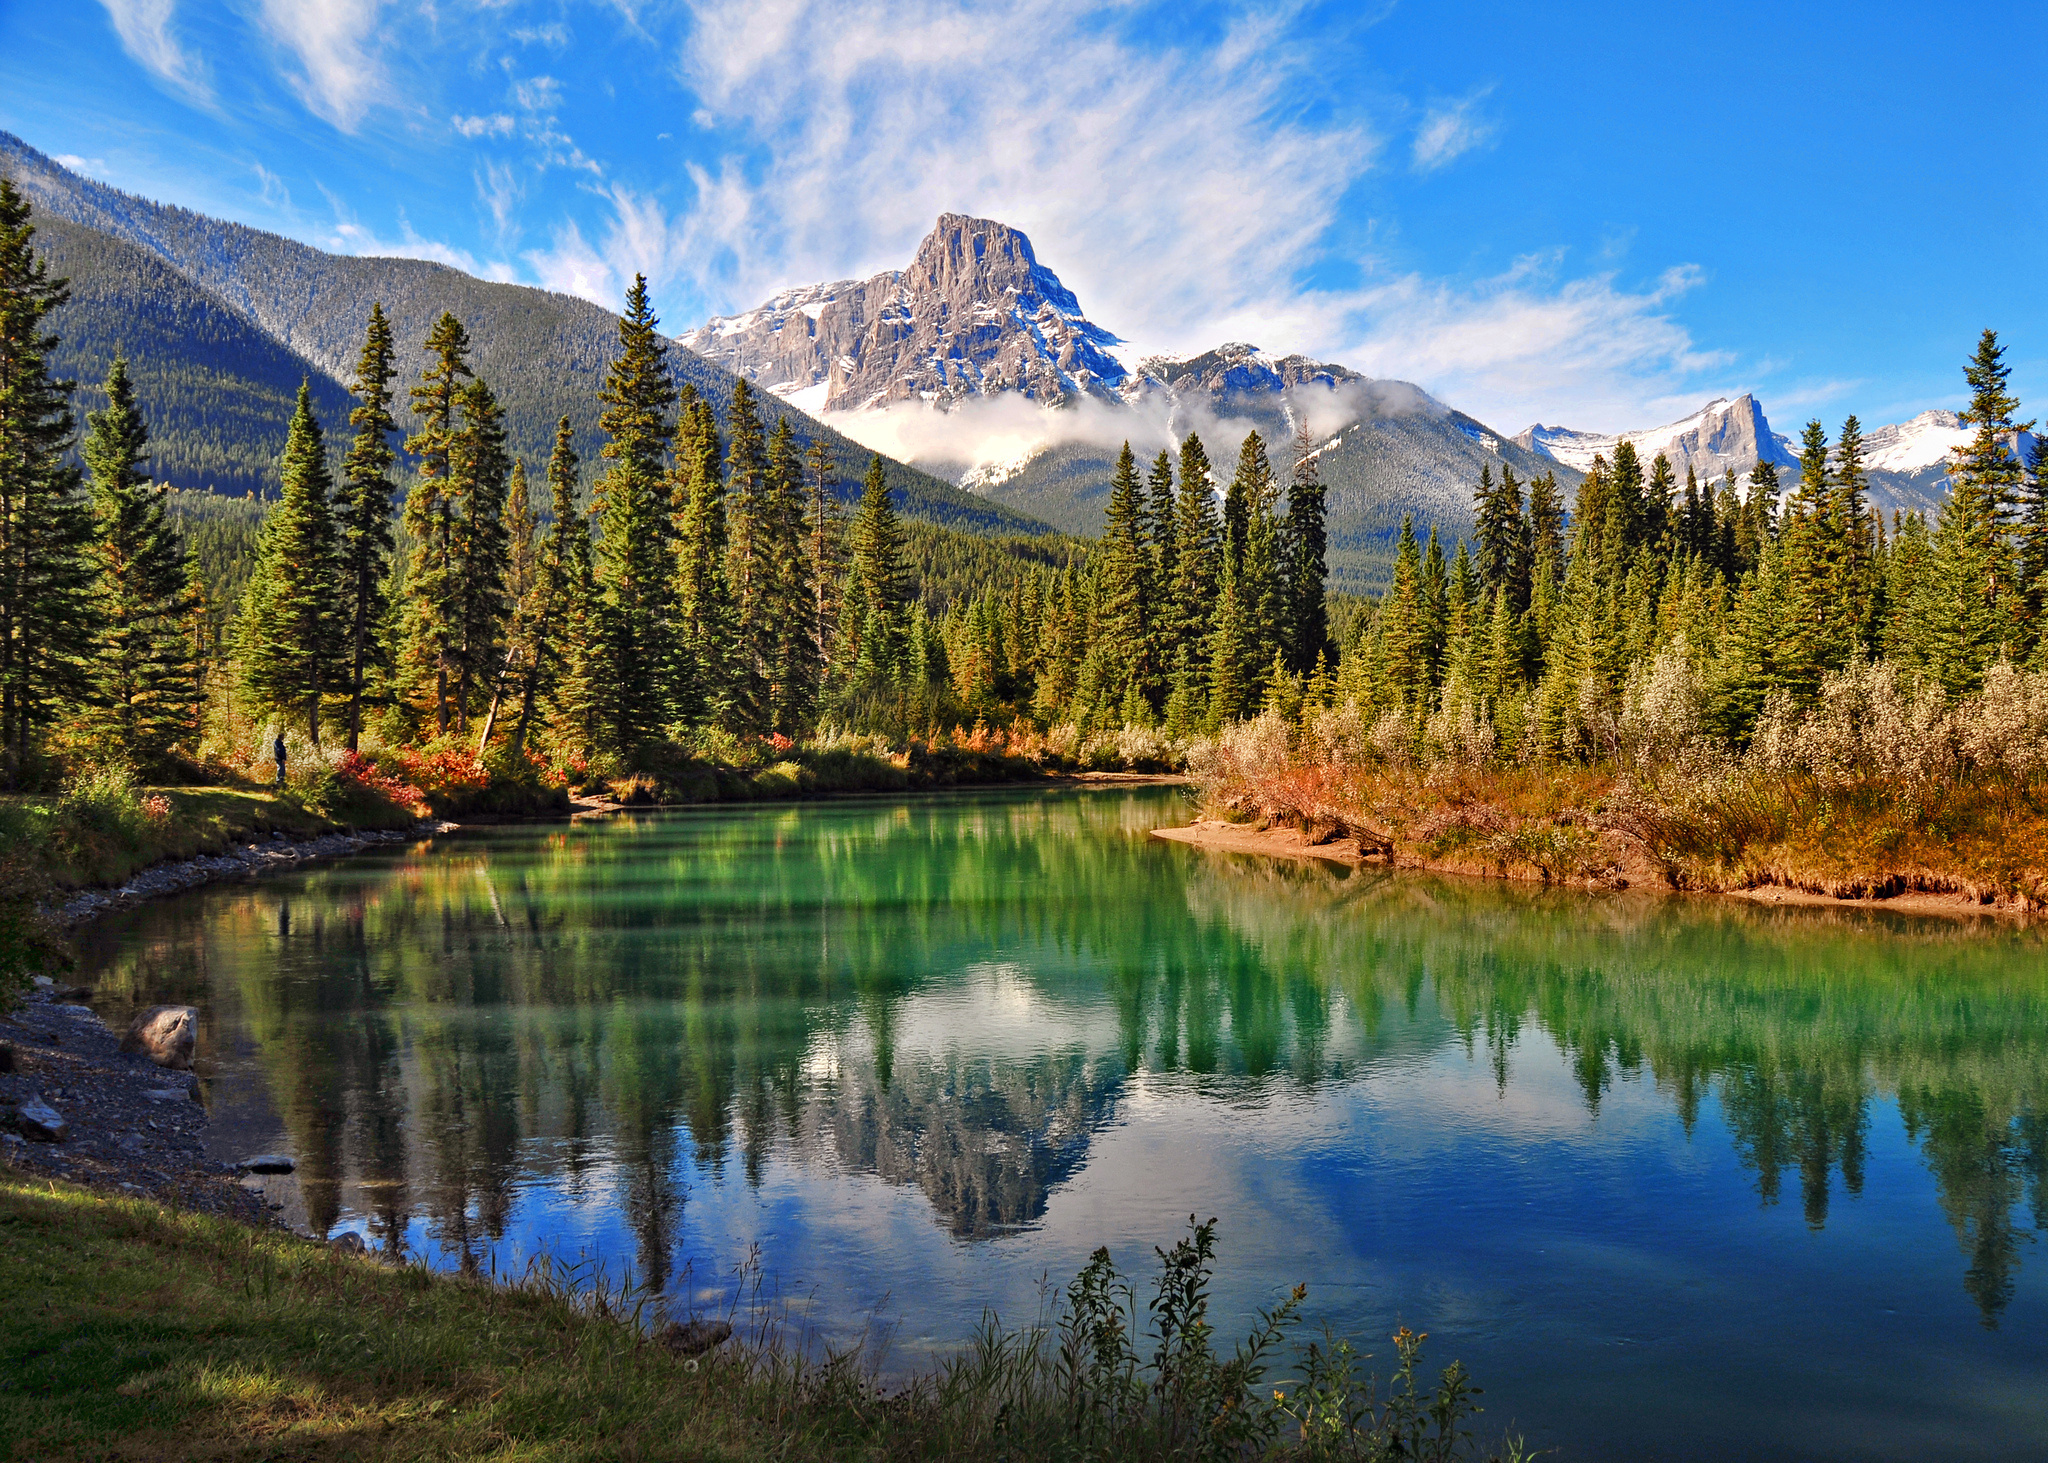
column 1907, row 461
column 977, row 317
column 1720, row 436
column 228, row 318
column 974, row 314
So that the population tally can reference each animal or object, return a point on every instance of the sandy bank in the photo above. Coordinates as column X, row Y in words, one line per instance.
column 1630, row 865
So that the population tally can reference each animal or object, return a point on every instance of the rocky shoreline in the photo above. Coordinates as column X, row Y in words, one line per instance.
column 75, row 1106
column 247, row 861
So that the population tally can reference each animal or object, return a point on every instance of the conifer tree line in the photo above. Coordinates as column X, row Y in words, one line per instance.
column 1195, row 610
column 702, row 578
column 1535, row 634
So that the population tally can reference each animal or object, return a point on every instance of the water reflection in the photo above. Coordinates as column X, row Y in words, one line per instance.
column 959, row 997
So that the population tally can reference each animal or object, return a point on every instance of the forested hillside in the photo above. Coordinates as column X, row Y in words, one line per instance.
column 545, row 354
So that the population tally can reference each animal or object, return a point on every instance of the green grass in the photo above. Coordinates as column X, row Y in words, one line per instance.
column 131, row 1331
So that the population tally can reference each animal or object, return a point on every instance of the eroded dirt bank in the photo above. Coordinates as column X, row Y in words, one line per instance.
column 1626, row 863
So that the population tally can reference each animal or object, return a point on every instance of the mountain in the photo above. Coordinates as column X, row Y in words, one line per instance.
column 226, row 317
column 1720, row 436
column 979, row 355
column 975, row 313
column 1907, row 461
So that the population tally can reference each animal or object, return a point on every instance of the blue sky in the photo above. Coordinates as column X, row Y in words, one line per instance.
column 1595, row 216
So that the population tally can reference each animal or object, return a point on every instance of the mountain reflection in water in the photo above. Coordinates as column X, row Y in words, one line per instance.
column 960, row 996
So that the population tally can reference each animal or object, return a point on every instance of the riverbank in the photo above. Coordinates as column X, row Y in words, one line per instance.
column 124, row 1125
column 1602, row 859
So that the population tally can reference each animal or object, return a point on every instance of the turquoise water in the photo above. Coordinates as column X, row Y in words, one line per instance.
column 1675, row 1178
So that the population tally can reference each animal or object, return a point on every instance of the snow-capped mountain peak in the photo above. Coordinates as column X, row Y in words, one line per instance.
column 1911, row 447
column 974, row 314
column 1721, row 435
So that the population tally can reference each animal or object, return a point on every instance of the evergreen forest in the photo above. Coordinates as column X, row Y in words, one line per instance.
column 411, row 599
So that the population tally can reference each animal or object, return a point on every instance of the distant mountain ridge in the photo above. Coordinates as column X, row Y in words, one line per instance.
column 186, row 283
column 977, row 319
column 1907, row 461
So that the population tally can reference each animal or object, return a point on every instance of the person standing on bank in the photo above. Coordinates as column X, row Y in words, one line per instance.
column 277, row 751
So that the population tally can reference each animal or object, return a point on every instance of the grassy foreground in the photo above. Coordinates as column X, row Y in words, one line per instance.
column 133, row 1331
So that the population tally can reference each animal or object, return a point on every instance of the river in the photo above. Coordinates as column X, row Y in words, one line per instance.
column 1675, row 1178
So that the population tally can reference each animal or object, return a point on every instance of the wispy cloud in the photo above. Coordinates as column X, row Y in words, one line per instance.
column 1179, row 185
column 144, row 27
column 553, row 34
column 497, row 124
column 1529, row 345
column 1451, row 129
column 340, row 73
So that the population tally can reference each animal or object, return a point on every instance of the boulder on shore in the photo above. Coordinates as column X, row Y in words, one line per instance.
column 267, row 1163
column 164, row 1034
column 38, row 1120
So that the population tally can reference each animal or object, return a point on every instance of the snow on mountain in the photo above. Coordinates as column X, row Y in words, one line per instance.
column 1911, row 447
column 1721, row 435
column 974, row 314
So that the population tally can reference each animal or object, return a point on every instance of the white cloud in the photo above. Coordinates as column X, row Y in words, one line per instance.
column 144, row 27
column 1170, row 189
column 498, row 186
column 497, row 124
column 1523, row 346
column 341, row 73
column 79, row 164
column 553, row 34
column 1451, row 129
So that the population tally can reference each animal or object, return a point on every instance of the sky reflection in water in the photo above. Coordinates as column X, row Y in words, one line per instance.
column 1676, row 1178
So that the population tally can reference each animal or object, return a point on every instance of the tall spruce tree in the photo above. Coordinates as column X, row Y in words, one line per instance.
column 750, row 566
column 706, row 623
column 523, row 597
column 1197, row 588
column 567, row 666
column 827, row 546
column 1161, row 529
column 1123, row 608
column 144, row 685
column 1546, row 523
column 363, row 510
column 291, row 631
column 45, row 526
column 1856, row 579
column 432, row 516
column 1973, row 611
column 2032, row 559
column 633, row 553
column 1817, row 632
column 479, row 473
column 1306, row 630
column 793, row 659
column 873, row 621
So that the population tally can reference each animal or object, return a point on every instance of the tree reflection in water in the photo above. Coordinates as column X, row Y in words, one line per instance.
column 957, row 995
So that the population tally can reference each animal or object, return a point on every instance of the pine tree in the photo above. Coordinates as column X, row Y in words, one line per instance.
column 827, row 551
column 1973, row 611
column 523, row 595
column 1816, row 633
column 1123, row 589
column 633, row 552
column 1197, row 588
column 706, row 621
column 363, row 511
column 873, row 619
column 568, row 643
column 1546, row 524
column 1162, row 532
column 1856, row 584
column 2032, row 560
column 292, row 641
column 1504, row 535
column 434, row 583
column 144, row 683
column 1404, row 627
column 479, row 473
column 45, row 527
column 794, row 662
column 1235, row 669
column 1306, row 630
column 749, row 560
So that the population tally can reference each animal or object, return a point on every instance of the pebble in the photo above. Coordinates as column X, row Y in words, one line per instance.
column 38, row 1120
